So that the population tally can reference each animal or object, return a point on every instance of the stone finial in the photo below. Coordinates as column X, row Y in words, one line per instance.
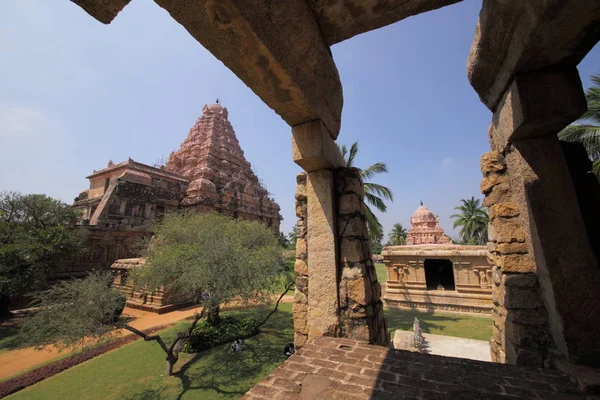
column 110, row 163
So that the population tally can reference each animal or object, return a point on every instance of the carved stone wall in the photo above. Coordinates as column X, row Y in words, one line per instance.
column 520, row 321
column 359, row 309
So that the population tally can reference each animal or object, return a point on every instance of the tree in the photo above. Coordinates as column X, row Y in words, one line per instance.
column 375, row 194
column 283, row 240
column 34, row 237
column 398, row 235
column 587, row 130
column 211, row 259
column 293, row 236
column 473, row 220
column 208, row 258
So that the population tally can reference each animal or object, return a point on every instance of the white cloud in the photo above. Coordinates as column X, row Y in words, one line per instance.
column 448, row 162
column 23, row 122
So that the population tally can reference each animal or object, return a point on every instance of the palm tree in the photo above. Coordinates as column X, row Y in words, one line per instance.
column 587, row 130
column 473, row 220
column 375, row 194
column 398, row 235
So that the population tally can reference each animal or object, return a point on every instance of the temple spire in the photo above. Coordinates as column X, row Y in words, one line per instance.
column 421, row 202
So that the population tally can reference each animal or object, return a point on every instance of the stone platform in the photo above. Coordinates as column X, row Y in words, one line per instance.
column 332, row 368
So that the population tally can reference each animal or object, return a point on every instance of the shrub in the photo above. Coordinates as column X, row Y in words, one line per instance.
column 224, row 330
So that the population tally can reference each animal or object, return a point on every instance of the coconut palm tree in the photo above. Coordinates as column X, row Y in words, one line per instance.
column 375, row 194
column 398, row 235
column 473, row 220
column 587, row 129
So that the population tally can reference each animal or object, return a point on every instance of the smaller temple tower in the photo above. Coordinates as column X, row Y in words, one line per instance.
column 425, row 228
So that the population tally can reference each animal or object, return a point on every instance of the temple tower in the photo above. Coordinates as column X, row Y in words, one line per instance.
column 220, row 177
column 425, row 228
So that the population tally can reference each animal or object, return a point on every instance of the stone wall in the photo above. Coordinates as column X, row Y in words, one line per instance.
column 520, row 322
column 359, row 310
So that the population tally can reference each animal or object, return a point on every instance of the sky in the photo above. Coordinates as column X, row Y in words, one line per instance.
column 75, row 94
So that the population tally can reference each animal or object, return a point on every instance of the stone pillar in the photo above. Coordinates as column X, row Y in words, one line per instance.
column 361, row 309
column 337, row 293
column 549, row 221
column 520, row 332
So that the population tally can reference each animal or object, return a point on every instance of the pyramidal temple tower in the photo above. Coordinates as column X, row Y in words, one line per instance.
column 220, row 177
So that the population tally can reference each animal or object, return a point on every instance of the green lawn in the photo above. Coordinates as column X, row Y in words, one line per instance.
column 381, row 272
column 136, row 371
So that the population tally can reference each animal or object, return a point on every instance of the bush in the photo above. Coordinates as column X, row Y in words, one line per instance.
column 226, row 329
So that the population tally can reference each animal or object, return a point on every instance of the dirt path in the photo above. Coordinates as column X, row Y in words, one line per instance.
column 16, row 361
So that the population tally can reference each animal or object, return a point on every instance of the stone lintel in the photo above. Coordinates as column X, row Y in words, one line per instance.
column 313, row 149
column 276, row 48
column 103, row 10
column 536, row 104
column 323, row 303
column 514, row 36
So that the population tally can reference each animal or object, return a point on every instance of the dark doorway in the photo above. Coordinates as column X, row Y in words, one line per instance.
column 439, row 274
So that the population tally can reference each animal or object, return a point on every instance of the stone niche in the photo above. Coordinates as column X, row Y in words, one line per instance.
column 431, row 277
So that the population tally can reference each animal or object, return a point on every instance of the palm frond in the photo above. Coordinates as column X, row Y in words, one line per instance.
column 373, row 170
column 373, row 225
column 588, row 135
column 376, row 202
column 379, row 190
column 352, row 155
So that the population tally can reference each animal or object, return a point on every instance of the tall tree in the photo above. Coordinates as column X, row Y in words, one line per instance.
column 398, row 235
column 473, row 220
column 210, row 258
column 587, row 129
column 375, row 194
column 34, row 237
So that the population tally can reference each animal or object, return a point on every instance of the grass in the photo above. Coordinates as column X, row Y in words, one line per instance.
column 463, row 326
column 8, row 335
column 136, row 371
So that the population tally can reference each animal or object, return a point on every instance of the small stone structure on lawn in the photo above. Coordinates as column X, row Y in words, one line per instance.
column 435, row 275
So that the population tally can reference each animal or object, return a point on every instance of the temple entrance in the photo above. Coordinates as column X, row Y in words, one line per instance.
column 439, row 274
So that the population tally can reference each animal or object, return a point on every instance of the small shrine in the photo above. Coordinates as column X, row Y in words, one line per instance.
column 425, row 228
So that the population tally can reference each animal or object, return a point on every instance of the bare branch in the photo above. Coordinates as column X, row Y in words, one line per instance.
column 148, row 338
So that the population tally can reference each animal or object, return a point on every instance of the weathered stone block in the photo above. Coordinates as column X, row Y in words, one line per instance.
column 300, row 339
column 300, row 297
column 520, row 280
column 496, row 275
column 533, row 316
column 301, row 249
column 518, row 297
column 352, row 227
column 507, row 231
column 491, row 180
column 351, row 250
column 492, row 162
column 300, row 187
column 507, row 210
column 516, row 263
column 359, row 290
column 355, row 186
column 357, row 271
column 300, row 318
column 301, row 267
column 498, row 194
column 300, row 209
column 349, row 204
column 491, row 233
column 512, row 248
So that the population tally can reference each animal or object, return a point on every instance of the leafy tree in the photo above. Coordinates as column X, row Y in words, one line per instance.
column 587, row 130
column 293, row 236
column 375, row 194
column 473, row 220
column 283, row 240
column 34, row 237
column 398, row 235
column 211, row 259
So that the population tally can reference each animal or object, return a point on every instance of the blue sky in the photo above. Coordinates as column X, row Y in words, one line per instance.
column 75, row 93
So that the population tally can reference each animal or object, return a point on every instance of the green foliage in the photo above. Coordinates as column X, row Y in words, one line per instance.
column 398, row 235
column 34, row 237
column 587, row 129
column 473, row 220
column 211, row 258
column 283, row 240
column 292, row 237
column 225, row 330
column 375, row 194
column 72, row 310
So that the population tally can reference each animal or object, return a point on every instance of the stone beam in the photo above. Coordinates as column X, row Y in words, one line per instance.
column 276, row 48
column 103, row 10
column 516, row 36
column 537, row 103
column 342, row 19
column 313, row 149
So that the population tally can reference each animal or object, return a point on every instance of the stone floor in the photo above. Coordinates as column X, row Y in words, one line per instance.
column 333, row 368
column 446, row 346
